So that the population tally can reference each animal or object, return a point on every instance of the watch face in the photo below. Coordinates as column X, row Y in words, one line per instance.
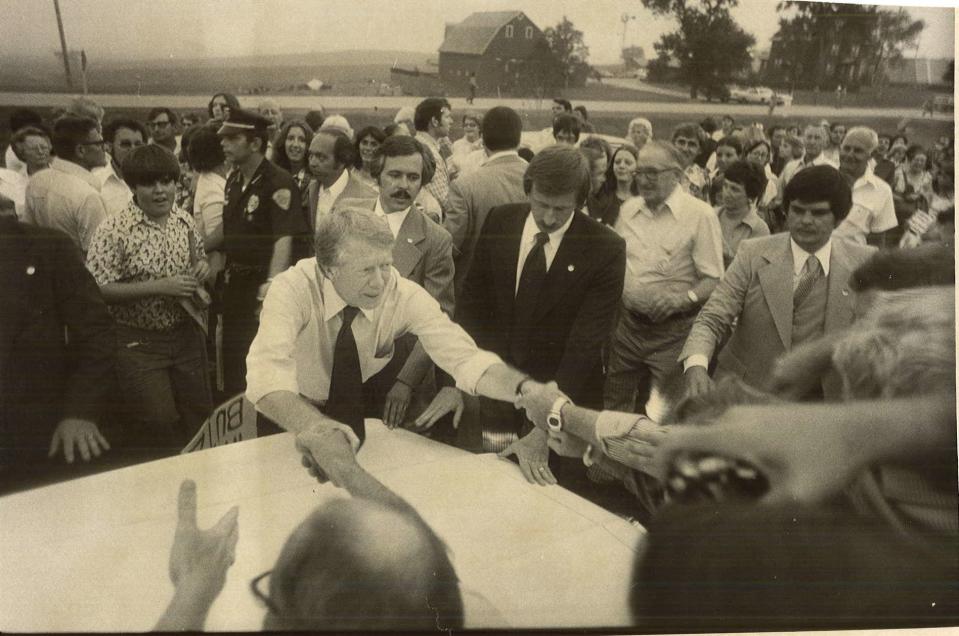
column 553, row 422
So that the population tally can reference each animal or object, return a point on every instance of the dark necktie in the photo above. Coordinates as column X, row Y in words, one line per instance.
column 811, row 272
column 530, row 283
column 345, row 402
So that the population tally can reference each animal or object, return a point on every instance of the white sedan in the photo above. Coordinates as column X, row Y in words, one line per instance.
column 751, row 95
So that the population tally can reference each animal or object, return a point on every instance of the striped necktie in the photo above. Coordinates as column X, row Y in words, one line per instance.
column 811, row 272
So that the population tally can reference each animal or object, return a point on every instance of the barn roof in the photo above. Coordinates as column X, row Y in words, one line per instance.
column 473, row 35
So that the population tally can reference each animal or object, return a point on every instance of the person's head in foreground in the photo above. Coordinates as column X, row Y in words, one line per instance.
column 816, row 201
column 557, row 183
column 354, row 250
column 743, row 183
column 360, row 565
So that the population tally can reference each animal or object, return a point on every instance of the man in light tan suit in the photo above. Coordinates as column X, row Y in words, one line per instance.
column 784, row 289
column 498, row 181
column 422, row 253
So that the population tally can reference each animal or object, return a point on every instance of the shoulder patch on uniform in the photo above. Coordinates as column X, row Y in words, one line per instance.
column 282, row 198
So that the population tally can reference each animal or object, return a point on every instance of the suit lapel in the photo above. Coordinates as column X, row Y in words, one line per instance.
column 312, row 196
column 838, row 304
column 406, row 248
column 506, row 255
column 776, row 281
column 568, row 258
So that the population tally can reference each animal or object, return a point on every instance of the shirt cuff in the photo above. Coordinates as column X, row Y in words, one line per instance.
column 695, row 360
column 615, row 424
column 468, row 373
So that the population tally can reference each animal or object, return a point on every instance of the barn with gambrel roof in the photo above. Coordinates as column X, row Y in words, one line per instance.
column 504, row 49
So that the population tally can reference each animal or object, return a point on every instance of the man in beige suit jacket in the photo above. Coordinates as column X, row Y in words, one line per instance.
column 783, row 289
column 498, row 181
column 422, row 253
column 330, row 157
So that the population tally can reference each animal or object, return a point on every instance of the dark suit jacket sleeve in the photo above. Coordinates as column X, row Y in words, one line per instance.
column 91, row 334
column 594, row 320
column 475, row 310
column 457, row 219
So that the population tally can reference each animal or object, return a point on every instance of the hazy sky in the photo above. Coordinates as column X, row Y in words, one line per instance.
column 225, row 28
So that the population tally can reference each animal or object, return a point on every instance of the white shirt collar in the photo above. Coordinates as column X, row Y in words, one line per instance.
column 339, row 185
column 868, row 178
column 800, row 255
column 498, row 154
column 76, row 170
column 333, row 303
column 530, row 230
column 393, row 219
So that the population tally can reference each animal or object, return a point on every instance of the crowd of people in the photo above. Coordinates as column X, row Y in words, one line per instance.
column 742, row 338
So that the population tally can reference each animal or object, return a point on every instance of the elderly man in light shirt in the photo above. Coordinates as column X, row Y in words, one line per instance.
column 291, row 366
column 66, row 196
column 873, row 211
column 674, row 259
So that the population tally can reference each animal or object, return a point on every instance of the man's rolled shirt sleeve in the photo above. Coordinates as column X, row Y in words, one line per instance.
column 708, row 247
column 449, row 346
column 614, row 429
column 271, row 365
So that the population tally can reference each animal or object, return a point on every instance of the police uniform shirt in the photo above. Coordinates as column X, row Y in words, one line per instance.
column 254, row 217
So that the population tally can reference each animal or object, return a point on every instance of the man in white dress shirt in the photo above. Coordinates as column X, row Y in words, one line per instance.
column 66, row 196
column 299, row 354
column 122, row 135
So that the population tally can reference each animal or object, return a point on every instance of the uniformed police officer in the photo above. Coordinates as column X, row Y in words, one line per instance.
column 261, row 218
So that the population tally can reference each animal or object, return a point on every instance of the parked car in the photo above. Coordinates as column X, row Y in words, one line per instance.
column 751, row 95
column 715, row 91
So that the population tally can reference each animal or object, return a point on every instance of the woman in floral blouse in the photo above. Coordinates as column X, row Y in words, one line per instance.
column 150, row 264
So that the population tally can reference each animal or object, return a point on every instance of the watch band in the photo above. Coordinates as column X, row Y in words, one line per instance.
column 554, row 420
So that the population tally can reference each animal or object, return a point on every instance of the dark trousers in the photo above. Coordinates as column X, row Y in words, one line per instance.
column 240, row 324
column 164, row 384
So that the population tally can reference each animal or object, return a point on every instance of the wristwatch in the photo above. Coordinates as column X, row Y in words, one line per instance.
column 554, row 420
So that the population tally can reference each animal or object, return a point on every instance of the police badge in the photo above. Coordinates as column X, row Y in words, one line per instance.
column 252, row 205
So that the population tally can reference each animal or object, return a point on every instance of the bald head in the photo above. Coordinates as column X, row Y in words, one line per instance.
column 359, row 565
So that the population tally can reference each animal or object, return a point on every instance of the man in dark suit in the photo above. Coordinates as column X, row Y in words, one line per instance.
column 57, row 357
column 498, row 181
column 542, row 293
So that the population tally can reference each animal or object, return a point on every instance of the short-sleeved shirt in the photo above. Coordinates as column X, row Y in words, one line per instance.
column 873, row 210
column 130, row 247
column 254, row 217
column 669, row 250
column 750, row 226
column 65, row 197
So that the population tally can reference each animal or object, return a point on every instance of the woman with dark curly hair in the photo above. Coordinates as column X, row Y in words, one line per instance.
column 290, row 151
column 368, row 141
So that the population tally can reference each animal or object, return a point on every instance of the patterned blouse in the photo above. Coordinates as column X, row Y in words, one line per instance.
column 129, row 247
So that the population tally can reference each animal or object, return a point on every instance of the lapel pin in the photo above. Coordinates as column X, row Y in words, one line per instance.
column 31, row 270
column 571, row 268
column 409, row 240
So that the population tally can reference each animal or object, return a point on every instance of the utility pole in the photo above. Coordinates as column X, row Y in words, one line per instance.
column 625, row 18
column 63, row 44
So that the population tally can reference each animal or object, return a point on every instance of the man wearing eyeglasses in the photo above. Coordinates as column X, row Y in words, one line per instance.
column 66, row 196
column 122, row 135
column 163, row 123
column 674, row 259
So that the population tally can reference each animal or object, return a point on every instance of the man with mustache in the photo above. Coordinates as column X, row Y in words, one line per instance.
column 422, row 253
